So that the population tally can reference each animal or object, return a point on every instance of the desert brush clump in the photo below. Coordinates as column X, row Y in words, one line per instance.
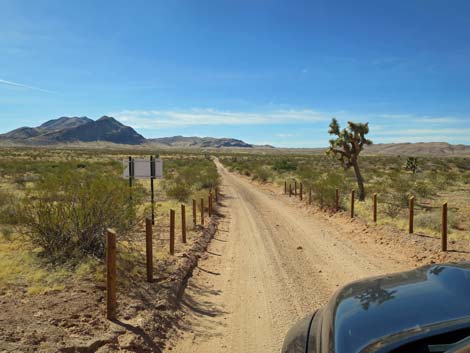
column 67, row 213
column 186, row 176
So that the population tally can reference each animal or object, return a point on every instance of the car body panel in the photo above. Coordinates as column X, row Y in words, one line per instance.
column 369, row 314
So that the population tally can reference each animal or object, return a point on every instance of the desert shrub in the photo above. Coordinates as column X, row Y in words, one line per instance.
column 261, row 174
column 393, row 205
column 432, row 219
column 466, row 178
column 198, row 195
column 324, row 188
column 284, row 165
column 67, row 213
column 411, row 165
column 179, row 191
column 186, row 176
column 6, row 231
column 8, row 208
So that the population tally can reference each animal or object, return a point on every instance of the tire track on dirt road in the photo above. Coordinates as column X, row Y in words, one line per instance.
column 269, row 265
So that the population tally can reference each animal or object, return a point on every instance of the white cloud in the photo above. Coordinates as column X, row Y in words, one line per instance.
column 16, row 84
column 443, row 120
column 152, row 119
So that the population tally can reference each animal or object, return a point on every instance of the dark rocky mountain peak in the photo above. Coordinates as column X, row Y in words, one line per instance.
column 107, row 129
column 76, row 129
column 64, row 122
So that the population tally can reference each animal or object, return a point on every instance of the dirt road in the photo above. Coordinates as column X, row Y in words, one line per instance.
column 269, row 265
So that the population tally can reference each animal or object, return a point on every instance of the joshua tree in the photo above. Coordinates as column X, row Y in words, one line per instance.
column 347, row 146
column 411, row 164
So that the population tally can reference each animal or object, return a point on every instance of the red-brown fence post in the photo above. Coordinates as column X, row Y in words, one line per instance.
column 202, row 211
column 411, row 215
column 310, row 196
column 301, row 192
column 183, row 223
column 172, row 232
column 285, row 187
column 337, row 200
column 374, row 210
column 194, row 213
column 209, row 199
column 149, row 249
column 295, row 188
column 444, row 227
column 111, row 274
column 352, row 203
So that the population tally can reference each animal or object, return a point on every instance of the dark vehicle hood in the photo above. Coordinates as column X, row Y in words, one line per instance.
column 372, row 312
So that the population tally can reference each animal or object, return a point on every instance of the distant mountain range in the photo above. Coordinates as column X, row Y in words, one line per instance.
column 73, row 130
column 203, row 142
column 437, row 149
column 69, row 130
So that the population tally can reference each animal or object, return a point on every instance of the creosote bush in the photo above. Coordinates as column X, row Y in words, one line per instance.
column 184, row 177
column 179, row 191
column 67, row 213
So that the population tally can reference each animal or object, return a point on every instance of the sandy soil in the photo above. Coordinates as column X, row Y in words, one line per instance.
column 270, row 264
column 73, row 319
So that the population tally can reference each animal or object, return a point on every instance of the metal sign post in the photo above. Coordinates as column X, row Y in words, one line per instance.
column 152, row 195
column 143, row 169
column 131, row 175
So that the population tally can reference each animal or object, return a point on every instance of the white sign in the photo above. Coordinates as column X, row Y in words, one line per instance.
column 143, row 168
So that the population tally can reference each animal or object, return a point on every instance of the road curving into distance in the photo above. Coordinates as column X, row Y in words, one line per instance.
column 269, row 265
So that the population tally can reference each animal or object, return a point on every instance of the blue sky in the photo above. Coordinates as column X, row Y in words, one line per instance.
column 264, row 71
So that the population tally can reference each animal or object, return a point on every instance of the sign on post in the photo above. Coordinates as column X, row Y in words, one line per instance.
column 143, row 168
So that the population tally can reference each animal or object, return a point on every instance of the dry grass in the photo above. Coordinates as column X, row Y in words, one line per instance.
column 21, row 267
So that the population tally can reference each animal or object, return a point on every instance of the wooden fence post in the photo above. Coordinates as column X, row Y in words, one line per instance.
column 194, row 213
column 352, row 203
column 202, row 211
column 183, row 223
column 285, row 187
column 337, row 200
column 411, row 215
column 149, row 249
column 172, row 232
column 310, row 196
column 301, row 192
column 111, row 273
column 374, row 213
column 209, row 199
column 444, row 227
column 295, row 188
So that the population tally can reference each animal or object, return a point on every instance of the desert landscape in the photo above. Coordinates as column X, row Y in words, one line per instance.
column 278, row 239
column 234, row 176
